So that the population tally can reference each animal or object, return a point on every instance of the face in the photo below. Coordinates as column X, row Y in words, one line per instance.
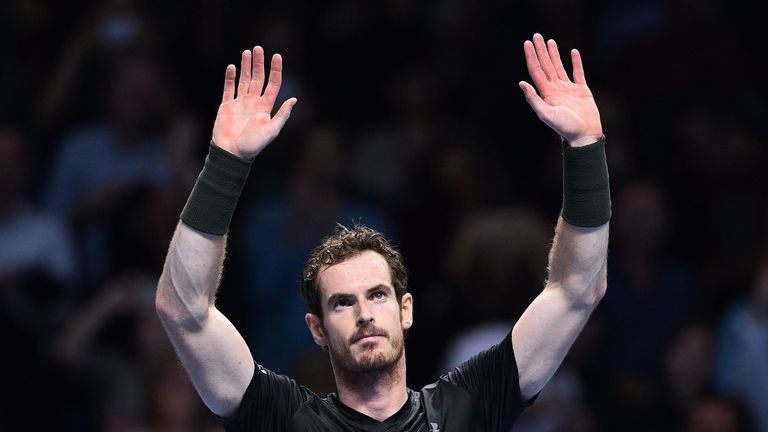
column 363, row 324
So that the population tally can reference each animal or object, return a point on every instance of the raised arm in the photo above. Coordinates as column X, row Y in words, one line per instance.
column 213, row 352
column 577, row 262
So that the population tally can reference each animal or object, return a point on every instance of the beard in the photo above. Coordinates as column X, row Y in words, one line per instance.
column 374, row 356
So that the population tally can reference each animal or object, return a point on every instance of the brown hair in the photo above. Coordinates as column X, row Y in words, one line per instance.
column 345, row 243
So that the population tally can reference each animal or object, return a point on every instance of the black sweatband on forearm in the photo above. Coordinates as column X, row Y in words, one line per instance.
column 213, row 199
column 586, row 191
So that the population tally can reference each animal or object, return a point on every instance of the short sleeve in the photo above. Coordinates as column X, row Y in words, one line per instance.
column 490, row 377
column 269, row 401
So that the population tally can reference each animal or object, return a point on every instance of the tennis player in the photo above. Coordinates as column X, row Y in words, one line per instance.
column 355, row 284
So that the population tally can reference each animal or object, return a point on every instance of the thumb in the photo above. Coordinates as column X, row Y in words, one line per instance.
column 534, row 100
column 284, row 113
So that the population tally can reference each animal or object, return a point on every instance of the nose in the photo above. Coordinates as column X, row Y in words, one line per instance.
column 364, row 313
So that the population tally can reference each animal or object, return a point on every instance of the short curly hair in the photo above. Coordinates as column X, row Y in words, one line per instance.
column 345, row 243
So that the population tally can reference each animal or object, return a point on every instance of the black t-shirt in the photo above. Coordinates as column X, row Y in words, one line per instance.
column 482, row 394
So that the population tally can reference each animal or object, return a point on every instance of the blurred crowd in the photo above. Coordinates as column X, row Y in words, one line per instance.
column 409, row 120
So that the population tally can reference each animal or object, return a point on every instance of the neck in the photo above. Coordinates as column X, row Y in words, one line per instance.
column 378, row 394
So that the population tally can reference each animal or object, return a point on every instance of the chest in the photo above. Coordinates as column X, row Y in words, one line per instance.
column 438, row 408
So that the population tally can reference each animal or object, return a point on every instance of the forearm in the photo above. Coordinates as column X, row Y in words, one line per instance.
column 187, row 287
column 578, row 256
column 577, row 262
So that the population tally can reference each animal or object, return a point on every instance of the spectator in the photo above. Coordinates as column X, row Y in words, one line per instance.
column 31, row 240
column 742, row 348
column 37, row 286
column 490, row 253
column 492, row 268
column 107, row 166
column 688, row 368
column 716, row 414
column 124, row 366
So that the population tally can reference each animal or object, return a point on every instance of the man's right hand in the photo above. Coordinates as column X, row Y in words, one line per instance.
column 244, row 123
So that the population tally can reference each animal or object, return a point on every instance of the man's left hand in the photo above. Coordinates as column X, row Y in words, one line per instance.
column 566, row 106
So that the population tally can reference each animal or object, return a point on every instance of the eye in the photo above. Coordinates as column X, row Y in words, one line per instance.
column 379, row 295
column 343, row 302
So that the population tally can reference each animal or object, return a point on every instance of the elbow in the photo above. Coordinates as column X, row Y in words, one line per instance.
column 586, row 301
column 599, row 292
column 594, row 289
column 600, row 287
column 162, row 306
column 173, row 310
column 584, row 296
column 594, row 295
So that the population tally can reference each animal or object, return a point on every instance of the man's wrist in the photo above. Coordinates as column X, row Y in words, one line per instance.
column 232, row 149
column 212, row 202
column 586, row 189
column 584, row 140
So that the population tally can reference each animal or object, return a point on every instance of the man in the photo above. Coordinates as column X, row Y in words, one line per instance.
column 355, row 284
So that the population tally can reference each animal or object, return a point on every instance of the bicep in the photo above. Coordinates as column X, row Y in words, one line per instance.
column 217, row 360
column 543, row 335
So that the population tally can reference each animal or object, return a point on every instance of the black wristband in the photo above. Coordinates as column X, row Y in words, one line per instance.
column 213, row 199
column 586, row 190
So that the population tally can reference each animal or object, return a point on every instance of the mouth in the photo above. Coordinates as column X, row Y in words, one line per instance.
column 365, row 338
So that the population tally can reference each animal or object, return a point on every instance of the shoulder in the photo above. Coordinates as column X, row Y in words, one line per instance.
column 444, row 404
column 481, row 390
column 493, row 363
column 269, row 402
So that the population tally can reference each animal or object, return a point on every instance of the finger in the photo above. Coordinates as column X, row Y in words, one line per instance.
column 245, row 74
column 554, row 54
column 284, row 113
column 257, row 80
column 578, row 67
column 543, row 55
column 534, row 100
column 275, row 79
column 532, row 62
column 229, row 84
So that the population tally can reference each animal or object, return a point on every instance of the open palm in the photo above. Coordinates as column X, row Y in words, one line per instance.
column 244, row 123
column 566, row 106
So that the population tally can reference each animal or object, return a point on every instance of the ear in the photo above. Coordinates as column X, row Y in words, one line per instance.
column 406, row 311
column 316, row 328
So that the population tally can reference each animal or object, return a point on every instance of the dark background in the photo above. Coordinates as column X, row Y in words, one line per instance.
column 409, row 119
